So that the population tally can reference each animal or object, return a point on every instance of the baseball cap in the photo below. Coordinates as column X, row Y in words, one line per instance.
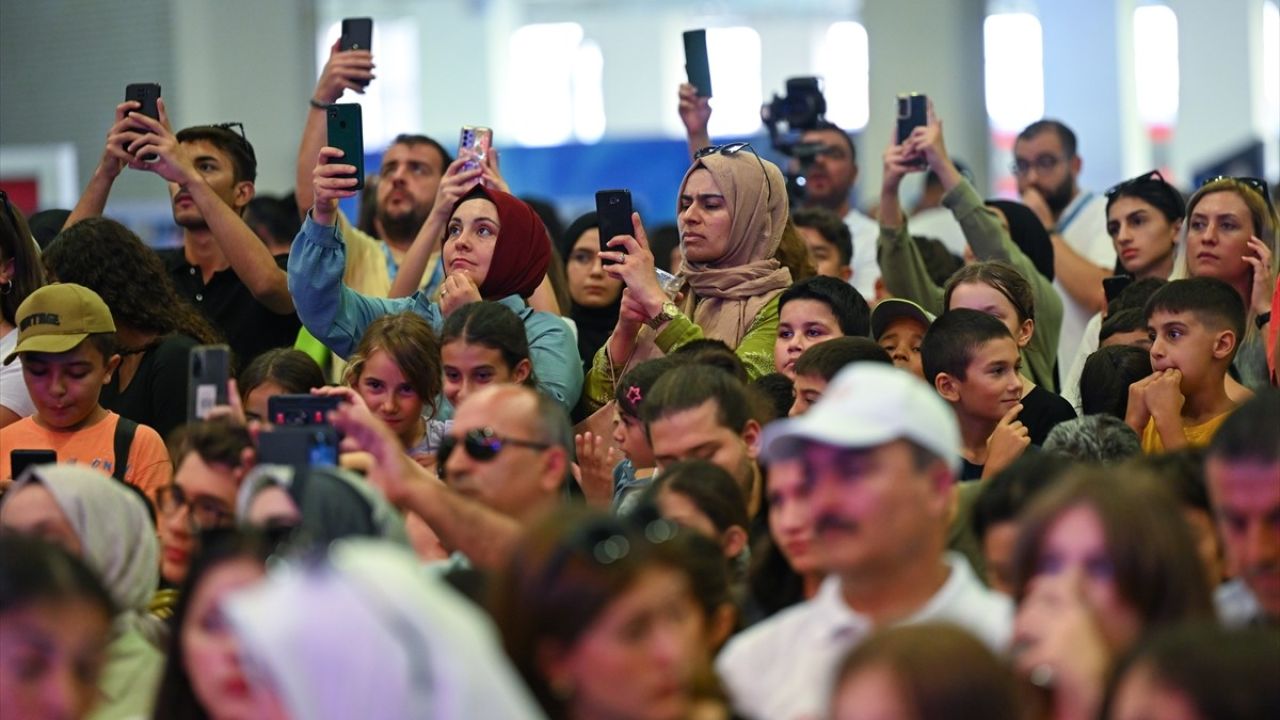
column 870, row 404
column 890, row 309
column 58, row 317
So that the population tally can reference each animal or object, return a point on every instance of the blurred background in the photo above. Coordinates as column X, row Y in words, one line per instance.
column 581, row 94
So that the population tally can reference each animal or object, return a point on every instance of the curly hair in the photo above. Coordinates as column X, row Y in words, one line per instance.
column 109, row 259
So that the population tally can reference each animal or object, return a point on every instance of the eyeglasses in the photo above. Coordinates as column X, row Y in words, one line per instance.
column 483, row 445
column 1257, row 184
column 1043, row 163
column 203, row 513
column 733, row 149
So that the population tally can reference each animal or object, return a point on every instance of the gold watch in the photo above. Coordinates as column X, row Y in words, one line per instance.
column 668, row 311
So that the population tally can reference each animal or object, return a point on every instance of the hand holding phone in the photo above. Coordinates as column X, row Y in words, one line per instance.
column 613, row 213
column 346, row 132
column 209, row 367
column 913, row 112
column 357, row 34
column 146, row 95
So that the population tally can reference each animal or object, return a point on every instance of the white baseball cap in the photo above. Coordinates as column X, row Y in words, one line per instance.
column 870, row 404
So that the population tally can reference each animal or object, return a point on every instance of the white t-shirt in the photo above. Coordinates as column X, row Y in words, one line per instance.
column 783, row 668
column 13, row 389
column 866, row 268
column 1069, row 387
column 1083, row 225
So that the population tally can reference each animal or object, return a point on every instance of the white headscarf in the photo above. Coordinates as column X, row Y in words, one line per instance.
column 369, row 633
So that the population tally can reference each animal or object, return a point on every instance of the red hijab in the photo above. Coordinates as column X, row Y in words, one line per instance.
column 522, row 251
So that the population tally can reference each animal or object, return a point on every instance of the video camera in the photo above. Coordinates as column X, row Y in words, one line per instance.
column 802, row 108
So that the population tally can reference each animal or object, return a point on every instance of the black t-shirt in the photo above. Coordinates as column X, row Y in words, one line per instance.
column 1041, row 410
column 156, row 396
column 250, row 327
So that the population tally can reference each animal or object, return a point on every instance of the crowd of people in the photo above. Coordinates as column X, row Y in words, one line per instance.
column 886, row 465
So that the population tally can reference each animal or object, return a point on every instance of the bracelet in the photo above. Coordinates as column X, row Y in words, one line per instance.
column 1262, row 319
column 317, row 104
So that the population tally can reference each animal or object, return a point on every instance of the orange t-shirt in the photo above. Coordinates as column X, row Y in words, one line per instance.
column 148, row 467
column 1197, row 435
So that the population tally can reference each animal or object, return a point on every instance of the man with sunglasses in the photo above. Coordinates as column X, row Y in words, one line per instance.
column 1047, row 168
column 222, row 268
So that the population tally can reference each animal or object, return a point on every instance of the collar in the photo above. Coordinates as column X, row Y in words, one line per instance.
column 1073, row 208
column 846, row 624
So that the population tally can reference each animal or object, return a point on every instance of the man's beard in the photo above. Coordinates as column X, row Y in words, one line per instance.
column 1060, row 197
column 404, row 227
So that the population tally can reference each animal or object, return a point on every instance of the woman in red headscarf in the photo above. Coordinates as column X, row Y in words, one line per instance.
column 495, row 248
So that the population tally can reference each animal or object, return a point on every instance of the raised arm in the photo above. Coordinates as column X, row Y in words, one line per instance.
column 901, row 265
column 345, row 70
column 695, row 113
column 114, row 160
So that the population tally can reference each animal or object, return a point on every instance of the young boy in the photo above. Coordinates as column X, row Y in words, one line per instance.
column 820, row 363
column 66, row 340
column 1195, row 326
column 973, row 363
column 829, row 241
column 814, row 311
column 899, row 326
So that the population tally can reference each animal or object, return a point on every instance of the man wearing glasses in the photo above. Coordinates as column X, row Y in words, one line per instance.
column 222, row 268
column 1047, row 169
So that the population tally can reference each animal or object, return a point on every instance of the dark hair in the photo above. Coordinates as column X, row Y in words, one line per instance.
column 773, row 394
column 492, row 325
column 1152, row 555
column 709, row 572
column 237, row 147
column 939, row 263
column 1065, row 135
column 411, row 343
column 176, row 698
column 103, row 342
column 826, row 359
column 690, row 388
column 293, row 370
column 277, row 216
column 217, row 442
column 550, row 217
column 661, row 242
column 632, row 391
column 830, row 226
column 16, row 244
column 35, row 572
column 714, row 353
column 1136, row 294
column 1104, row 439
column 793, row 254
column 951, row 341
column 846, row 304
column 828, row 125
column 1248, row 434
column 1153, row 191
column 1182, row 472
column 1028, row 233
column 1122, row 321
column 553, row 588
column 1214, row 303
column 1224, row 674
column 772, row 583
column 106, row 257
column 46, row 224
column 709, row 487
column 1106, row 377
column 415, row 139
column 1012, row 489
column 940, row 671
column 1000, row 275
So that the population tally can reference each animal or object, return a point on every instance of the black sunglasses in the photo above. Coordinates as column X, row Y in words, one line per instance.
column 1146, row 177
column 483, row 445
column 238, row 129
column 1257, row 184
column 733, row 149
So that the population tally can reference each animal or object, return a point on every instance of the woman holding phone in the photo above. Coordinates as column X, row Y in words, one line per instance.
column 495, row 248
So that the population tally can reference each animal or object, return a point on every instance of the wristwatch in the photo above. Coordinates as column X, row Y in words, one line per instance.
column 668, row 311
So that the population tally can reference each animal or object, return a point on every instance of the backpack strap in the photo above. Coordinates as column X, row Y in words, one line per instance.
column 125, row 429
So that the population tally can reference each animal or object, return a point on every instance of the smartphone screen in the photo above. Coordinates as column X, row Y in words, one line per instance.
column 613, row 211
column 696, row 63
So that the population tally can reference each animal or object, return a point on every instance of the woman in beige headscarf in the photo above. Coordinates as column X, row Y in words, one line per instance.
column 732, row 213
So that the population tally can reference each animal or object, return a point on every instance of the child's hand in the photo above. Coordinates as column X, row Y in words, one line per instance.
column 594, row 469
column 1164, row 395
column 1006, row 443
column 1136, row 413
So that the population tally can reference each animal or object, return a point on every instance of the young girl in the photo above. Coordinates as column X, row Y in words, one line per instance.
column 483, row 343
column 283, row 371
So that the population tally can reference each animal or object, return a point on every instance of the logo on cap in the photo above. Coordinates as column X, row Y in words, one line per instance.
column 39, row 319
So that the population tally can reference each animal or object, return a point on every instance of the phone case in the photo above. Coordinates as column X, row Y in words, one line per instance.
column 478, row 140
column 145, row 94
column 696, row 63
column 20, row 460
column 613, row 213
column 209, row 367
column 357, row 34
column 913, row 111
column 346, row 132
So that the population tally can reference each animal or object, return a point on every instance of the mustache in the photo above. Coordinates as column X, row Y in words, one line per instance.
column 827, row 521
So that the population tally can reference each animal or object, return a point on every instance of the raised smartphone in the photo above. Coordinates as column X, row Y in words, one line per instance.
column 298, row 446
column 696, row 64
column 209, row 367
column 613, row 212
column 357, row 34
column 913, row 112
column 477, row 140
column 146, row 95
column 346, row 132
column 300, row 409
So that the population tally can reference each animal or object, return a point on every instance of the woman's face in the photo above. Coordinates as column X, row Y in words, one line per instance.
column 1077, row 542
column 32, row 511
column 1218, row 232
column 210, row 650
column 1143, row 237
column 985, row 298
column 705, row 219
column 630, row 437
column 469, row 367
column 470, row 239
column 639, row 657
column 589, row 286
column 390, row 396
column 789, row 521
column 51, row 654
column 255, row 402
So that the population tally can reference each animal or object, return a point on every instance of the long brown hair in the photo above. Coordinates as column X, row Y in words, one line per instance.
column 412, row 345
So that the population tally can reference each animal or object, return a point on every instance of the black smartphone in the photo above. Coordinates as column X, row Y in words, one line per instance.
column 357, row 34
column 146, row 95
column 299, row 410
column 1114, row 285
column 913, row 112
column 299, row 446
column 613, row 213
column 20, row 460
column 346, row 132
column 209, row 367
column 696, row 64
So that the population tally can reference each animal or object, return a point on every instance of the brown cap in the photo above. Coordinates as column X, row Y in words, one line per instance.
column 58, row 317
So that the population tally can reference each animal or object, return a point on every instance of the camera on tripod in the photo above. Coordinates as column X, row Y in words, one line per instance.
column 803, row 108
